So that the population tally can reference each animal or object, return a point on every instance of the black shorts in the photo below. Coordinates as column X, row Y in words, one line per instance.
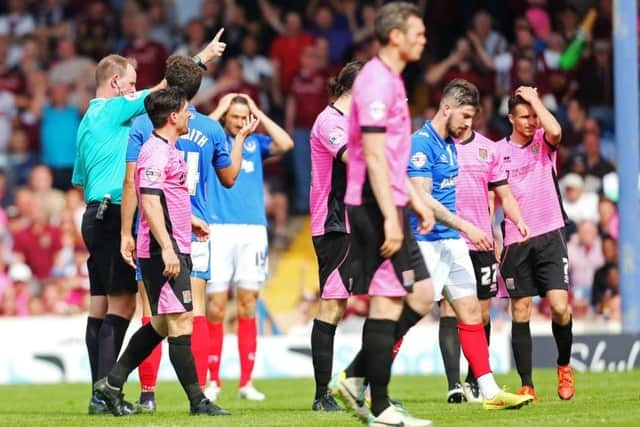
column 108, row 273
column 167, row 296
column 392, row 277
column 537, row 266
column 332, row 251
column 485, row 269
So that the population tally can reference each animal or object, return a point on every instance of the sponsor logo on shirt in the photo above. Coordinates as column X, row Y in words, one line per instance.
column 448, row 182
column 336, row 137
column 250, row 146
column 153, row 174
column 377, row 110
column 419, row 159
column 248, row 166
column 483, row 154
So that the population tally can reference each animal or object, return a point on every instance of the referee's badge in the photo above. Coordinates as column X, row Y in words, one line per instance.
column 186, row 297
column 483, row 154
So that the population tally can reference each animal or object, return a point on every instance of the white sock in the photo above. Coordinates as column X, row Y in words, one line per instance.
column 488, row 386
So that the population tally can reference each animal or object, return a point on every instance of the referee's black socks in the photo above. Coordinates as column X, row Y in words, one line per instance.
column 91, row 338
column 110, row 339
column 450, row 349
column 322, row 336
column 182, row 360
column 563, row 335
column 522, row 351
column 140, row 346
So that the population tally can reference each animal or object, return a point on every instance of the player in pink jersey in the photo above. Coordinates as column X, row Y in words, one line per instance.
column 163, row 246
column 481, row 176
column 385, row 254
column 329, row 227
column 539, row 266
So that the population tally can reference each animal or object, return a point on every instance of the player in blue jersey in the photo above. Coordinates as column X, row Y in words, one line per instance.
column 204, row 147
column 433, row 169
column 239, row 237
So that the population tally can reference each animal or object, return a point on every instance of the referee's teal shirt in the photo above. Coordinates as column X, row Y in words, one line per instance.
column 100, row 166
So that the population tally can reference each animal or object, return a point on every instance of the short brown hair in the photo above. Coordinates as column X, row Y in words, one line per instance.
column 393, row 16
column 459, row 92
column 113, row 64
column 184, row 73
column 514, row 101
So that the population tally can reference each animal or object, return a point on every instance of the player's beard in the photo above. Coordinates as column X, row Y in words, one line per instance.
column 453, row 131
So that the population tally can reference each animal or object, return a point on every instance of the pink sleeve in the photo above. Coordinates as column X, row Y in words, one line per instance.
column 151, row 167
column 373, row 99
column 334, row 137
column 498, row 171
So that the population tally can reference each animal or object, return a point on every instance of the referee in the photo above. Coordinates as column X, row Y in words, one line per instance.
column 99, row 169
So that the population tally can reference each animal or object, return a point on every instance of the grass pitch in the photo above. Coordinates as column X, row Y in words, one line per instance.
column 604, row 399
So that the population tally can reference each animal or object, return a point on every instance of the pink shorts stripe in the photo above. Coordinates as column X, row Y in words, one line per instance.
column 385, row 283
column 168, row 302
column 334, row 287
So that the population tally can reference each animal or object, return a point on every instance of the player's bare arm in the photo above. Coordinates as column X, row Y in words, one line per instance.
column 420, row 206
column 444, row 216
column 200, row 228
column 223, row 106
column 378, row 173
column 153, row 212
column 512, row 209
column 213, row 50
column 127, row 213
column 281, row 142
column 229, row 174
column 552, row 129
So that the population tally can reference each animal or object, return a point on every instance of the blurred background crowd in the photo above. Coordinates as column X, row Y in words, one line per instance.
column 282, row 53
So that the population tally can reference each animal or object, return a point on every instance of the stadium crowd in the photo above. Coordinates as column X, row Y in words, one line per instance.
column 282, row 53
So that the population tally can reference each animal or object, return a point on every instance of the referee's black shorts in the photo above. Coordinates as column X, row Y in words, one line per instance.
column 108, row 273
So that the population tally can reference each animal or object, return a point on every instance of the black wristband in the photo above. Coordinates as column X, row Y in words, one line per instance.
column 199, row 62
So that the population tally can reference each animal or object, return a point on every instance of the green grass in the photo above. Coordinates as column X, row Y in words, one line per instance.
column 605, row 399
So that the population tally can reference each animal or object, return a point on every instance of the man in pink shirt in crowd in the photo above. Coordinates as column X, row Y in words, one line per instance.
column 539, row 266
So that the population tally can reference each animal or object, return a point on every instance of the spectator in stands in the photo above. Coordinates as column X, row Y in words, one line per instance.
column 59, row 121
column 38, row 244
column 41, row 183
column 11, row 78
column 602, row 285
column 20, row 160
column 590, row 162
column 212, row 17
column 585, row 255
column 6, row 191
column 362, row 29
column 573, row 132
column 307, row 98
column 325, row 25
column 527, row 74
column 257, row 69
column 159, row 29
column 53, row 19
column 16, row 298
column 230, row 80
column 580, row 205
column 18, row 212
column 493, row 42
column 8, row 113
column 17, row 22
column 235, row 27
column 595, row 83
column 608, row 214
column 69, row 67
column 196, row 39
column 150, row 55
column 93, row 30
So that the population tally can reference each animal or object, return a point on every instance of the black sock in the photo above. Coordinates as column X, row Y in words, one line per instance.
column 377, row 346
column 450, row 349
column 91, row 339
column 357, row 368
column 322, row 336
column 564, row 338
column 111, row 337
column 182, row 361
column 487, row 333
column 140, row 346
column 522, row 351
column 408, row 318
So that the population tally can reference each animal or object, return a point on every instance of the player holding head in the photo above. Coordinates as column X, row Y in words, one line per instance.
column 329, row 229
column 433, row 170
column 239, row 247
column 204, row 148
column 538, row 267
column 384, row 251
column 481, row 177
column 163, row 247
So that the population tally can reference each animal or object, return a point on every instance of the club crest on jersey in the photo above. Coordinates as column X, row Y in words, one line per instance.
column 483, row 154
column 408, row 278
column 153, row 174
column 336, row 137
column 250, row 146
column 535, row 149
column 186, row 297
column 377, row 109
column 419, row 159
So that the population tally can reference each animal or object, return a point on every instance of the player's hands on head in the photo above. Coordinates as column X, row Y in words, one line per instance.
column 393, row 238
column 225, row 101
column 252, row 105
column 479, row 239
column 250, row 126
column 128, row 249
column 171, row 263
column 214, row 49
column 528, row 93
column 200, row 229
column 524, row 232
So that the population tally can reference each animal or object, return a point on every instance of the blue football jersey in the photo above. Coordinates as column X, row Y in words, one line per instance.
column 435, row 158
column 203, row 146
column 244, row 202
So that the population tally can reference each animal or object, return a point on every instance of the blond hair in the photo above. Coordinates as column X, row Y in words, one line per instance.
column 113, row 64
